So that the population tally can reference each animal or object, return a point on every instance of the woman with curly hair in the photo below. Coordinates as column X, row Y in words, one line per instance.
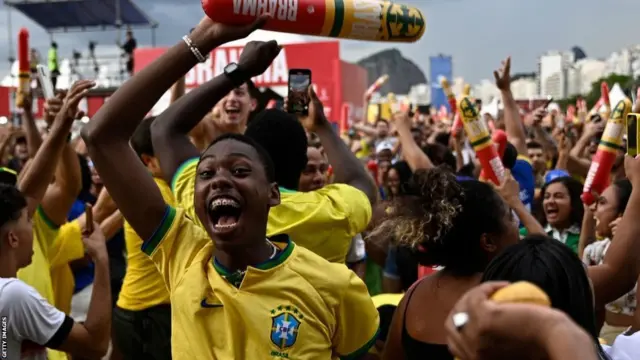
column 460, row 225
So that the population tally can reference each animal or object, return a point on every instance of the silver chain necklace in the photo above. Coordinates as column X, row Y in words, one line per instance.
column 237, row 276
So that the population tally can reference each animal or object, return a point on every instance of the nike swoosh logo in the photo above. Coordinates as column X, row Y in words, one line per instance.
column 204, row 304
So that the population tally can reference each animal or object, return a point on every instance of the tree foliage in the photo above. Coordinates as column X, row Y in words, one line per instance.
column 626, row 82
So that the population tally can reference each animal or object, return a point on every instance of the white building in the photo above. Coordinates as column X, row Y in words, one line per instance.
column 524, row 88
column 624, row 62
column 485, row 91
column 590, row 71
column 552, row 75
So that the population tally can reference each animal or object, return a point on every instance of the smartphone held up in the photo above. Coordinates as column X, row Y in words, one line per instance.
column 632, row 134
column 298, row 95
column 44, row 77
column 88, row 211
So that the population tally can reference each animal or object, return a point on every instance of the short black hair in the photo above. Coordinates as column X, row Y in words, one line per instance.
column 284, row 139
column 267, row 163
column 510, row 156
column 141, row 138
column 443, row 139
column 253, row 90
column 381, row 120
column 11, row 204
column 534, row 145
column 440, row 155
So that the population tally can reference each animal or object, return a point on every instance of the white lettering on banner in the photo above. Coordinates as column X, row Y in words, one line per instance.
column 498, row 168
column 282, row 9
column 588, row 182
column 4, row 351
column 366, row 19
column 276, row 74
column 199, row 75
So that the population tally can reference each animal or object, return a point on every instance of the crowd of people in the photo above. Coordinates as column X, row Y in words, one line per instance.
column 217, row 230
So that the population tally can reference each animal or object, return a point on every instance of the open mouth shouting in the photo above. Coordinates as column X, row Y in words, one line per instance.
column 551, row 212
column 232, row 112
column 224, row 212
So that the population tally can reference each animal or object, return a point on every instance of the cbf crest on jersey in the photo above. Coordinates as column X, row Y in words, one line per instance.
column 285, row 324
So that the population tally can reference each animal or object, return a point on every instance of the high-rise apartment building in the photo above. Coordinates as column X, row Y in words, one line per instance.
column 553, row 73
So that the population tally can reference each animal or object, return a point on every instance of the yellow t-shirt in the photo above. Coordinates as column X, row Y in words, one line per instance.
column 323, row 221
column 37, row 274
column 365, row 150
column 296, row 306
column 67, row 247
column 143, row 286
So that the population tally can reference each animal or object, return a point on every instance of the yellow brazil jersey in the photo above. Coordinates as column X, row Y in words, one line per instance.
column 323, row 221
column 143, row 286
column 67, row 247
column 365, row 150
column 383, row 300
column 37, row 273
column 294, row 306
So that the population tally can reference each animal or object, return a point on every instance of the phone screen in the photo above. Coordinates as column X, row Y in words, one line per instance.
column 632, row 135
column 45, row 82
column 299, row 81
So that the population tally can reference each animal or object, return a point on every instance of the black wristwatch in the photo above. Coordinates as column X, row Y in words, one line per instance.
column 235, row 74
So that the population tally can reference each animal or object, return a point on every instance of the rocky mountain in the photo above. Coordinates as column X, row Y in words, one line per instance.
column 403, row 73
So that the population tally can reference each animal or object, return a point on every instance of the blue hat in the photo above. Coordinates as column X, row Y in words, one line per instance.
column 554, row 174
column 464, row 178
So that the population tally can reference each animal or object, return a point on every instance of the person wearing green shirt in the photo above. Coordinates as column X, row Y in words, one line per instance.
column 562, row 211
column 53, row 63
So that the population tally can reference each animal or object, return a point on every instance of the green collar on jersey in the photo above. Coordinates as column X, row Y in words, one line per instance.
column 281, row 257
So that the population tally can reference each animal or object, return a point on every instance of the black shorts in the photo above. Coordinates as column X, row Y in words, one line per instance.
column 144, row 334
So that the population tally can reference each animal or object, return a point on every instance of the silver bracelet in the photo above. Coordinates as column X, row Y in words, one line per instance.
column 194, row 49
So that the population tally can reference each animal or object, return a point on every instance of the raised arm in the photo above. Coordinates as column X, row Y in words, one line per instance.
column 67, row 184
column 91, row 339
column 36, row 180
column 621, row 266
column 170, row 131
column 512, row 118
column 411, row 152
column 107, row 135
column 347, row 169
column 34, row 140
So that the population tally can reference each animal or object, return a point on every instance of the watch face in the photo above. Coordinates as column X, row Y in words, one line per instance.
column 230, row 68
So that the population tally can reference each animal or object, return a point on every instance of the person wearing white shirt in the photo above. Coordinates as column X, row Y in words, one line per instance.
column 29, row 324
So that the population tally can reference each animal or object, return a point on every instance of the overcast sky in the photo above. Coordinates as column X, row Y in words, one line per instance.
column 477, row 33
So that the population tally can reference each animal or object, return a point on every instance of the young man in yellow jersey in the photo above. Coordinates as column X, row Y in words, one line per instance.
column 142, row 317
column 234, row 293
column 56, row 198
column 49, row 202
column 324, row 220
column 30, row 324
